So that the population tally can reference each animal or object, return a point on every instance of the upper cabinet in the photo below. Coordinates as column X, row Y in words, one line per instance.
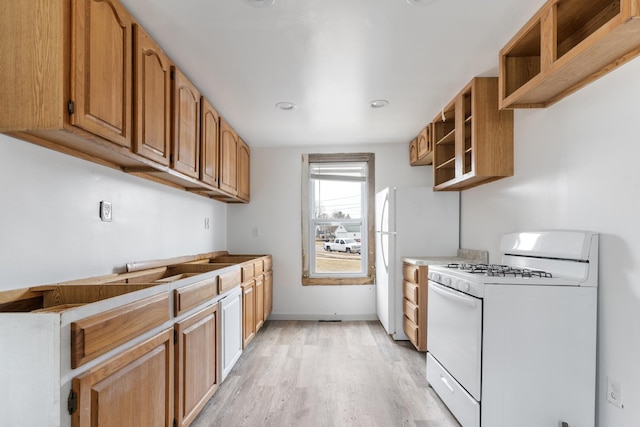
column 473, row 140
column 186, row 126
column 566, row 45
column 421, row 148
column 83, row 78
column 228, row 158
column 209, row 143
column 244, row 157
column 152, row 106
column 101, row 69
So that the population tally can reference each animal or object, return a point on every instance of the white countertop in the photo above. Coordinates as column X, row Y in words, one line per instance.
column 464, row 255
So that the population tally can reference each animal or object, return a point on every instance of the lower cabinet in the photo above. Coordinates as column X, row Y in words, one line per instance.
column 132, row 389
column 248, row 312
column 414, row 303
column 259, row 301
column 231, row 330
column 197, row 372
column 268, row 294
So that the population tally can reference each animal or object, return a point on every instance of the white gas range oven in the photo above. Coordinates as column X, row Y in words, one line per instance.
column 515, row 344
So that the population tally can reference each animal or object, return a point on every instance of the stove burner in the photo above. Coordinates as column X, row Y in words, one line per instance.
column 497, row 270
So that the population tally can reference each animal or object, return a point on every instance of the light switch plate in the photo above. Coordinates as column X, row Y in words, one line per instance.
column 106, row 213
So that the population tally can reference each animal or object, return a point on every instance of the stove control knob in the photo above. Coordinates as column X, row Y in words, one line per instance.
column 435, row 276
column 464, row 286
column 446, row 281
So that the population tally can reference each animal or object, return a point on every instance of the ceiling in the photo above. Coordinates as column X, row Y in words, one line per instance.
column 331, row 58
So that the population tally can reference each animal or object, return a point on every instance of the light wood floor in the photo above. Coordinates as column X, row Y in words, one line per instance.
column 297, row 373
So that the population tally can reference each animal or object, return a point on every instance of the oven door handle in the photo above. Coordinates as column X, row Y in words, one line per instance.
column 455, row 295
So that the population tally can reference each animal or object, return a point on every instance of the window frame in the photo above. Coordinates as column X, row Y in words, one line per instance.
column 368, row 232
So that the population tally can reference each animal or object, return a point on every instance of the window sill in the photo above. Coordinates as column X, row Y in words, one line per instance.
column 337, row 281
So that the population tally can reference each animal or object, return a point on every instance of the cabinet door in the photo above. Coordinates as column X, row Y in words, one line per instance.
column 197, row 376
column 132, row 389
column 231, row 319
column 209, row 147
column 244, row 157
column 228, row 159
column 268, row 294
column 413, row 152
column 186, row 126
column 259, row 302
column 248, row 312
column 152, row 99
column 101, row 69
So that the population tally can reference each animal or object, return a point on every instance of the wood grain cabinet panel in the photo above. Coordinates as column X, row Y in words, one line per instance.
column 473, row 140
column 228, row 159
column 209, row 144
column 101, row 77
column 197, row 367
column 186, row 125
column 244, row 163
column 268, row 294
column 95, row 335
column 152, row 101
column 259, row 304
column 248, row 312
column 229, row 280
column 414, row 304
column 134, row 388
column 566, row 45
column 190, row 296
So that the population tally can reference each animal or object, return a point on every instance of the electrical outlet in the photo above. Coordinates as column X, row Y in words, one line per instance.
column 106, row 211
column 206, row 223
column 614, row 392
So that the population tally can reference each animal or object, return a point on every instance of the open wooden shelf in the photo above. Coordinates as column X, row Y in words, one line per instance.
column 566, row 45
column 474, row 141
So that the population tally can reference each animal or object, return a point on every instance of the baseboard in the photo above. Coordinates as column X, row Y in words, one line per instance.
column 329, row 317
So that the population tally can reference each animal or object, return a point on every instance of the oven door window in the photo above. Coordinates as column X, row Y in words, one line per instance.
column 454, row 334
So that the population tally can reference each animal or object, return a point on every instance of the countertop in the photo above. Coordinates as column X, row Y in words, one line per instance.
column 464, row 255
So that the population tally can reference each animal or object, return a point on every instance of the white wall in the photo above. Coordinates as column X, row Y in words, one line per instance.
column 577, row 167
column 275, row 211
column 50, row 229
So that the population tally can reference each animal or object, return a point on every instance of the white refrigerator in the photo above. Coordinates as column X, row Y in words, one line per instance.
column 410, row 222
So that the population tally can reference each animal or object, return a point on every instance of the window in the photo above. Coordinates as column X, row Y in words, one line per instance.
column 337, row 209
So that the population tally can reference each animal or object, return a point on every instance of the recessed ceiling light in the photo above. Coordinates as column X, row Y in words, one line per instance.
column 378, row 103
column 287, row 106
column 260, row 3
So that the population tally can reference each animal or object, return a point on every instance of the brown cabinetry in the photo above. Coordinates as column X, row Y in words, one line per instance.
column 268, row 293
column 228, row 159
column 248, row 312
column 185, row 152
column 83, row 78
column 101, row 69
column 210, row 144
column 472, row 139
column 197, row 367
column 259, row 316
column 566, row 45
column 152, row 99
column 421, row 148
column 415, row 304
column 133, row 388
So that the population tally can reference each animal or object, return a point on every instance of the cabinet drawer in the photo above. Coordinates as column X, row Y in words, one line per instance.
column 410, row 310
column 187, row 297
column 410, row 291
column 95, row 335
column 229, row 280
column 247, row 271
column 411, row 330
column 410, row 272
